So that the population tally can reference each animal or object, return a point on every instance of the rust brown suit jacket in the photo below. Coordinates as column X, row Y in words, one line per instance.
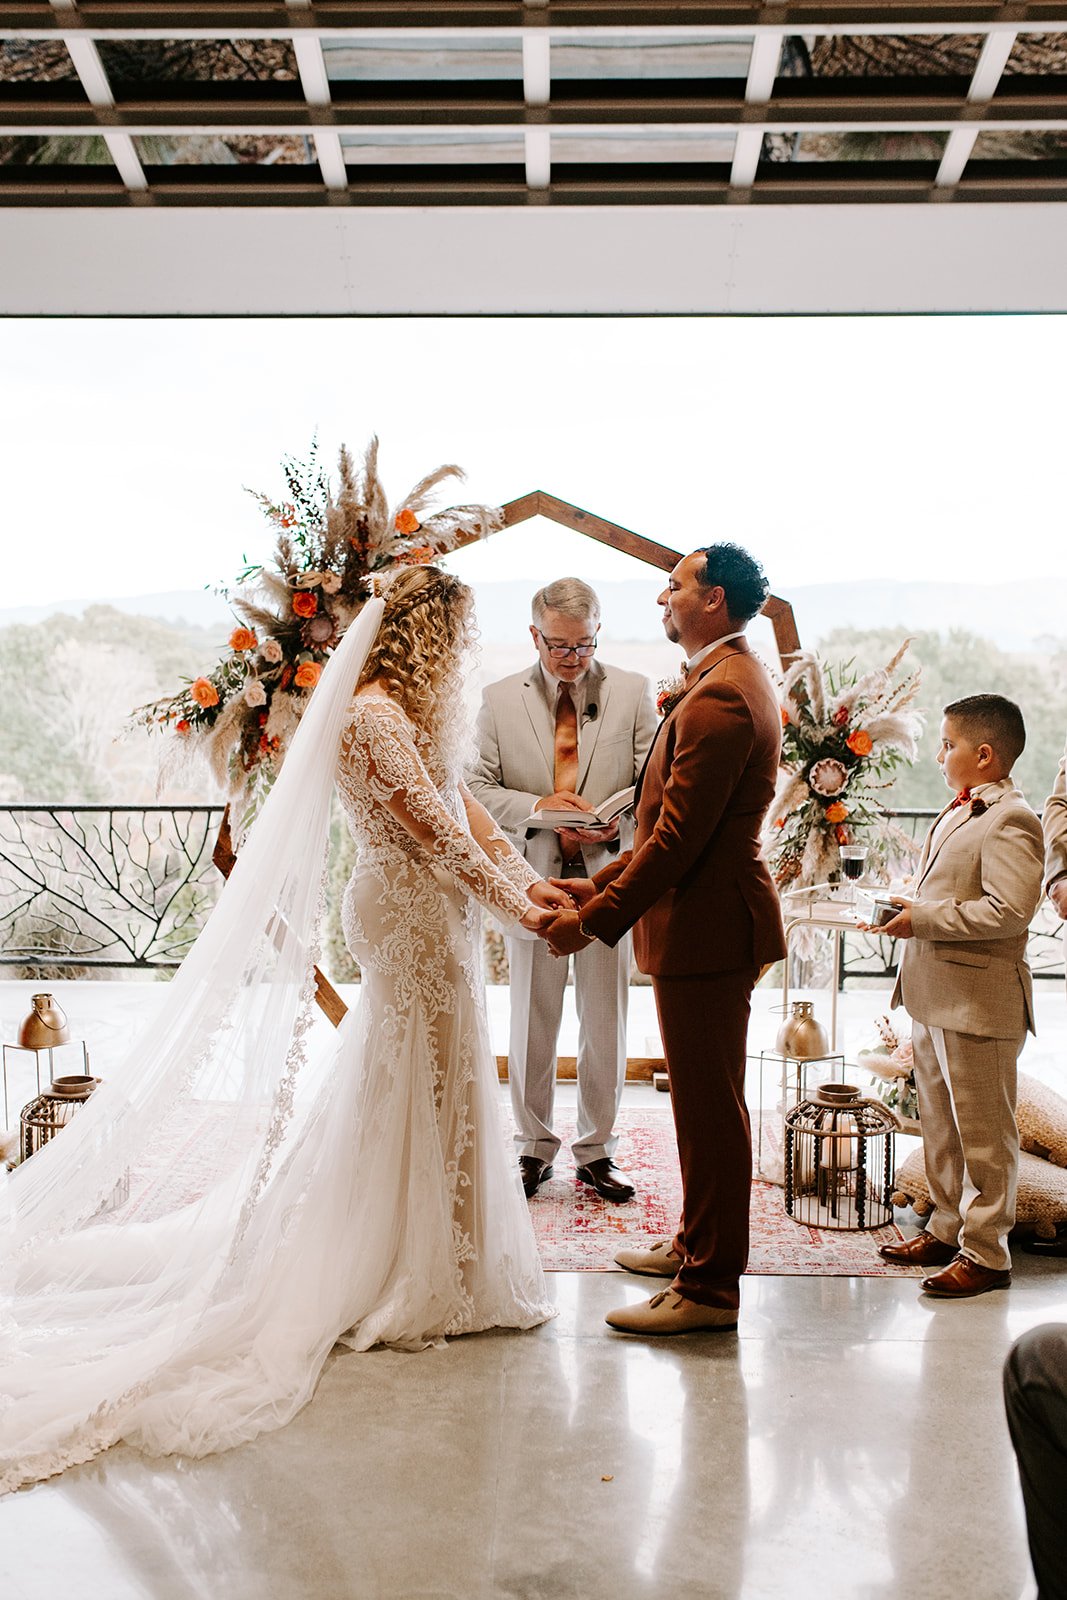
column 695, row 887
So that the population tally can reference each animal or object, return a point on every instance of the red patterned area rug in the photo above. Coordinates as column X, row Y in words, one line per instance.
column 578, row 1232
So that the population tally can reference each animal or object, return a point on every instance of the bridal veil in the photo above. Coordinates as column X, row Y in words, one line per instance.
column 150, row 1290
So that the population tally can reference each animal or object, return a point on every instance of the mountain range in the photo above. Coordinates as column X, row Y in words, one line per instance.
column 1019, row 616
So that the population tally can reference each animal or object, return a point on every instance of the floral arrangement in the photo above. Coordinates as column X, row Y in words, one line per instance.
column 329, row 545
column 893, row 1063
column 843, row 734
column 668, row 693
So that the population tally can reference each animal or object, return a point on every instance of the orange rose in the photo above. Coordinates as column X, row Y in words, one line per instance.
column 182, row 726
column 243, row 639
column 305, row 604
column 837, row 812
column 785, row 718
column 407, row 521
column 308, row 674
column 204, row 692
column 860, row 742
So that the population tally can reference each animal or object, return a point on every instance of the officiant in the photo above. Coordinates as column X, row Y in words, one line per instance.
column 565, row 734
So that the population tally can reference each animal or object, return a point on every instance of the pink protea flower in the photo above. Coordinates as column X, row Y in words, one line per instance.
column 828, row 777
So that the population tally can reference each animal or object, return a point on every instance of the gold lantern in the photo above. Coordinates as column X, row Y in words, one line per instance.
column 41, row 1033
column 802, row 1036
column 839, row 1160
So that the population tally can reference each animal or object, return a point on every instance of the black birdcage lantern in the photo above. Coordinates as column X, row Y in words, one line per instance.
column 50, row 1111
column 839, row 1160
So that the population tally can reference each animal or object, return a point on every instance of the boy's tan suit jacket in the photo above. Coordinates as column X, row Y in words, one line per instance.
column 1054, row 827
column 1054, row 820
column 966, row 967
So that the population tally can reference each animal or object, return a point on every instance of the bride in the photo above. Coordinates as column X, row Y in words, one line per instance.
column 241, row 1194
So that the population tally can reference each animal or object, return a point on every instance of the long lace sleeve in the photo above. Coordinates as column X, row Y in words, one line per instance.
column 496, row 844
column 379, row 757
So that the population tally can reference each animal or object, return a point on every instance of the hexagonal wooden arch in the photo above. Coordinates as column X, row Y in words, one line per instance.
column 540, row 503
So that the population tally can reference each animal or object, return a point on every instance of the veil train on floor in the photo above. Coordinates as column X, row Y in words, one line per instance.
column 151, row 1286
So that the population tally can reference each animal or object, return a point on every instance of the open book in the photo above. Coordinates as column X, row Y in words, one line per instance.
column 604, row 813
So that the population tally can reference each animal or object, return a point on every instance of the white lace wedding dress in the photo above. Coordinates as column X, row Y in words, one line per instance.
column 243, row 1192
column 453, row 1247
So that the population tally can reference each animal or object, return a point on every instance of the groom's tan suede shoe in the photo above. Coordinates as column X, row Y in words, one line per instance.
column 669, row 1312
column 658, row 1261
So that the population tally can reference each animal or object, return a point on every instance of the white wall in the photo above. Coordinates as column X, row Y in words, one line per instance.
column 742, row 259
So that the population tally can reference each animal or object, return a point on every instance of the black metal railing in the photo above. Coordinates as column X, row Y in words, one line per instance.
column 90, row 886
column 107, row 886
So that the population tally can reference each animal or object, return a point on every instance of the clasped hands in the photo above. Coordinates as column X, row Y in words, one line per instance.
column 554, row 914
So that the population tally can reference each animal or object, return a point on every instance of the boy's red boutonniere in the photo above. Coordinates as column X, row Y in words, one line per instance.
column 671, row 691
column 978, row 805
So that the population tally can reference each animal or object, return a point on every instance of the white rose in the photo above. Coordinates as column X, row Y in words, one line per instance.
column 271, row 651
column 255, row 694
column 330, row 583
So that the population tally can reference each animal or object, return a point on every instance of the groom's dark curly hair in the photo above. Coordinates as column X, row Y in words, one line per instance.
column 739, row 576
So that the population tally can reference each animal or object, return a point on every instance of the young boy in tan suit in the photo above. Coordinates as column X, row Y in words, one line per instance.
column 965, row 981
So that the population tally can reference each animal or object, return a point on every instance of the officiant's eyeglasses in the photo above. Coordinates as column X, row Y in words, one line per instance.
column 560, row 651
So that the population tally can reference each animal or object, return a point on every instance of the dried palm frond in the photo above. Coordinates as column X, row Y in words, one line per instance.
column 418, row 498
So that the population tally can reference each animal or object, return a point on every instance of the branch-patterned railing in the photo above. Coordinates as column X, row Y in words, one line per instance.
column 93, row 886
column 98, row 886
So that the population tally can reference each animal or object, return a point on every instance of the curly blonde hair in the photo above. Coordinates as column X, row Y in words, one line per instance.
column 426, row 632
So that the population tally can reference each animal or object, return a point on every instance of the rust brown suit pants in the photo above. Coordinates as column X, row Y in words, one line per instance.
column 704, row 1023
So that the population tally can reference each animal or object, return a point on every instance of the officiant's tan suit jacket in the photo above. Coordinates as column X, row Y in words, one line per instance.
column 976, row 892
column 516, row 755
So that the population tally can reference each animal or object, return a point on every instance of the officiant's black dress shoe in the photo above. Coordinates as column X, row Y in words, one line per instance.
column 534, row 1173
column 609, row 1181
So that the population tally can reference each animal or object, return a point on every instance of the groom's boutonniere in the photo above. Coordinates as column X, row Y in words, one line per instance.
column 671, row 691
column 978, row 806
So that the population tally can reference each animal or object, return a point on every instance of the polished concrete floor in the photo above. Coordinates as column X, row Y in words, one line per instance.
column 848, row 1444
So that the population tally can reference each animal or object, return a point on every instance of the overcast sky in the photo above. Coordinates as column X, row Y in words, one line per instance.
column 835, row 448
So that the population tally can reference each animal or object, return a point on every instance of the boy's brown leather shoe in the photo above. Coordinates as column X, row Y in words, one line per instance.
column 925, row 1250
column 964, row 1277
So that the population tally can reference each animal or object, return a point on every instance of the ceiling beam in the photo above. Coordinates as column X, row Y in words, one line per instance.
column 759, row 88
column 987, row 74
column 137, row 20
column 650, row 186
column 94, row 80
column 402, row 118
column 315, row 82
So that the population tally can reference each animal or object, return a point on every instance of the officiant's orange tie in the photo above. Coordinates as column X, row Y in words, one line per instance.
column 565, row 772
column 565, row 775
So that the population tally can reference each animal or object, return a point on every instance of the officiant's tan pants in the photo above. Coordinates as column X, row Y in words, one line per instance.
column 704, row 1023
column 602, row 995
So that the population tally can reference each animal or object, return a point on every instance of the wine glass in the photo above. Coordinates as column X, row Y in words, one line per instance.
column 853, row 860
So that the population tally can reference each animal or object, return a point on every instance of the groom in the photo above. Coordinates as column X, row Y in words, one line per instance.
column 706, row 920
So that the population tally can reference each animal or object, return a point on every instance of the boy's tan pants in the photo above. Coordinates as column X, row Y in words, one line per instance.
column 966, row 1086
